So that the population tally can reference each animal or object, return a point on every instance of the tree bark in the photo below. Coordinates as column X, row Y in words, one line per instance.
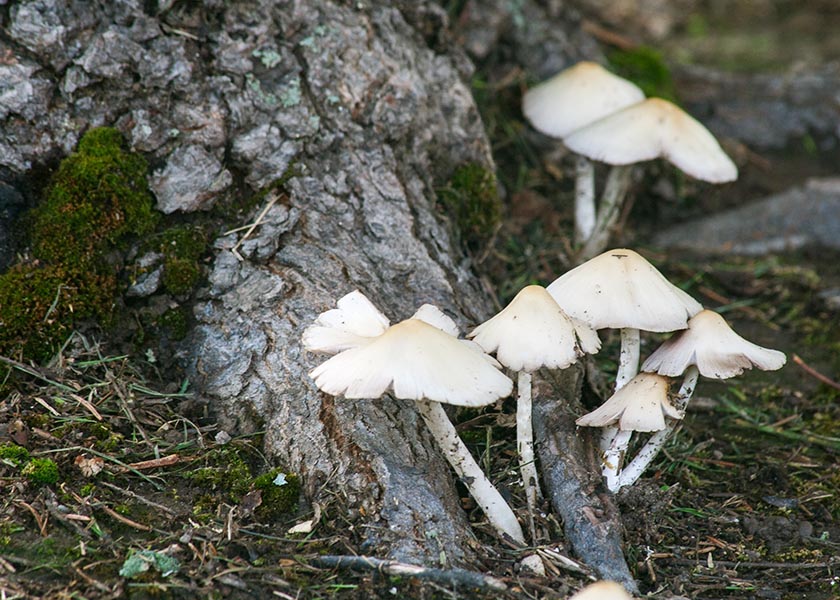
column 394, row 118
column 572, row 475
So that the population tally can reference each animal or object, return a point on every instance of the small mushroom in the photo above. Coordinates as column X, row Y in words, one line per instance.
column 650, row 129
column 418, row 359
column 708, row 347
column 354, row 322
column 602, row 590
column 641, row 405
column 568, row 101
column 620, row 289
column 532, row 332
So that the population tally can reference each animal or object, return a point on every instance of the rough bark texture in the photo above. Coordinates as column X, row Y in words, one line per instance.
column 377, row 121
column 225, row 97
column 572, row 475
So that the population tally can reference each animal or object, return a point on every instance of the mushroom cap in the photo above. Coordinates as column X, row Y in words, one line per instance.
column 419, row 361
column 641, row 405
column 354, row 322
column 602, row 590
column 532, row 331
column 620, row 289
column 431, row 314
column 652, row 129
column 576, row 97
column 714, row 347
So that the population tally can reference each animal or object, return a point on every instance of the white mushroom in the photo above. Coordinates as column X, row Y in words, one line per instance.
column 577, row 96
column 572, row 99
column 620, row 289
column 602, row 590
column 709, row 347
column 714, row 348
column 651, row 129
column 354, row 322
column 532, row 332
column 424, row 362
column 641, row 405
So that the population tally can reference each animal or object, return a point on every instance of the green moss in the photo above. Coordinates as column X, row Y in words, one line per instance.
column 645, row 67
column 174, row 321
column 41, row 470
column 472, row 199
column 182, row 248
column 226, row 471
column 97, row 196
column 39, row 305
column 183, row 242
column 14, row 454
column 180, row 275
column 280, row 492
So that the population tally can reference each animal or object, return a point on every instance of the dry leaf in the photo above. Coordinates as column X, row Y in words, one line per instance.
column 89, row 466
column 308, row 526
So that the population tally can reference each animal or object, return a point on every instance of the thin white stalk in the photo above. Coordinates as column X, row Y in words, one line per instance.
column 609, row 209
column 628, row 361
column 585, row 215
column 613, row 457
column 692, row 373
column 628, row 367
column 525, row 440
column 642, row 460
column 498, row 511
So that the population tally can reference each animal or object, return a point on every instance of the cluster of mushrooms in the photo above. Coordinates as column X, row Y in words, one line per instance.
column 423, row 359
column 602, row 117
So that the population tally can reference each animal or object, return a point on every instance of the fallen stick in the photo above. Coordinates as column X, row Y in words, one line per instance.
column 451, row 577
column 814, row 373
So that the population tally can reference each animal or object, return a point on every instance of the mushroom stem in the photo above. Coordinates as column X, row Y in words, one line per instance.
column 498, row 511
column 631, row 473
column 525, row 441
column 628, row 367
column 612, row 200
column 613, row 456
column 585, row 216
column 692, row 373
column 628, row 362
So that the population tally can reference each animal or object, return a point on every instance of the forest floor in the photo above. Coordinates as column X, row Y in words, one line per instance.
column 128, row 489
column 149, row 499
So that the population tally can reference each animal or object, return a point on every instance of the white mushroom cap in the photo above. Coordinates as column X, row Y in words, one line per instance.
column 714, row 347
column 620, row 289
column 353, row 323
column 419, row 361
column 576, row 97
column 602, row 590
column 641, row 405
column 652, row 129
column 431, row 314
column 533, row 331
